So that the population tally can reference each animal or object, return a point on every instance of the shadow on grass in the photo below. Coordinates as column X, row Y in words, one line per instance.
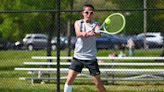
column 8, row 68
column 26, row 90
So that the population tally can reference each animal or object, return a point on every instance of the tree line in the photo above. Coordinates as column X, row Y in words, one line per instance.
column 13, row 26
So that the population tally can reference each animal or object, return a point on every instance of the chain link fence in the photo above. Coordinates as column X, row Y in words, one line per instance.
column 30, row 28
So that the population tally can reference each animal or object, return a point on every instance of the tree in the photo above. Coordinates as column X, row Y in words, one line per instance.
column 16, row 25
column 159, row 16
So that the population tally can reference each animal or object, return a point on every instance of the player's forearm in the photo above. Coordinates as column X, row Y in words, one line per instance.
column 81, row 34
column 85, row 34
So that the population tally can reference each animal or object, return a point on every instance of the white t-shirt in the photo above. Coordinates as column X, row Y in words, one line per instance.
column 130, row 43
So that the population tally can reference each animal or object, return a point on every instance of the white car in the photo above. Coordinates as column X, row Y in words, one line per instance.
column 155, row 37
column 35, row 41
column 40, row 41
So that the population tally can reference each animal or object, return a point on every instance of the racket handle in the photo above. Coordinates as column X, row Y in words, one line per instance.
column 97, row 31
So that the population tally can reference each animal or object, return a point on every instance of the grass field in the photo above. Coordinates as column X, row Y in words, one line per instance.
column 9, row 81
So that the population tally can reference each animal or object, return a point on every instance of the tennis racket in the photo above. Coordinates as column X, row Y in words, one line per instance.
column 113, row 24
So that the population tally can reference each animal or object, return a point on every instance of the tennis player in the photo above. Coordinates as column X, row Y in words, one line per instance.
column 85, row 50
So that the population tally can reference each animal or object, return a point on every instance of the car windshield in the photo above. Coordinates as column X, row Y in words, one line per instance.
column 29, row 37
column 39, row 37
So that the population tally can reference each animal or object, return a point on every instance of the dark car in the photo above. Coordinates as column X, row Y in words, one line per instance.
column 104, row 42
column 63, row 42
column 138, row 41
column 153, row 45
column 73, row 41
column 18, row 45
column 4, row 45
column 107, row 41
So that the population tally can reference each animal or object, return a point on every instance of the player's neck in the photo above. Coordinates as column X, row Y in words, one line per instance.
column 87, row 21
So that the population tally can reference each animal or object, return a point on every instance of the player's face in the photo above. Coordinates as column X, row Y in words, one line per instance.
column 87, row 13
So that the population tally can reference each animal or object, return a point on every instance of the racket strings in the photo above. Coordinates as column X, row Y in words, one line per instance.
column 116, row 24
column 113, row 24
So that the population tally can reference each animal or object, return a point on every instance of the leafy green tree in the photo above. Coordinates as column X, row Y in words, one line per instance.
column 134, row 19
column 16, row 25
column 159, row 16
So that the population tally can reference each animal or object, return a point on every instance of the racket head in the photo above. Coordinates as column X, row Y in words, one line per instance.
column 113, row 24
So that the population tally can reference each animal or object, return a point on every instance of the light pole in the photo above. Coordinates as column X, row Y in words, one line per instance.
column 145, row 22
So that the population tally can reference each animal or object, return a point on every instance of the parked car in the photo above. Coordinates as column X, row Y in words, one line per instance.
column 4, row 45
column 107, row 41
column 152, row 45
column 40, row 41
column 18, row 45
column 73, row 41
column 138, row 41
column 35, row 41
column 155, row 37
column 63, row 42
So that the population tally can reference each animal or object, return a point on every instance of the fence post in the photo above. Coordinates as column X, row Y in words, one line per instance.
column 58, row 44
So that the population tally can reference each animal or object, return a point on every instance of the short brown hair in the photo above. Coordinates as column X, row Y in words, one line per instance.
column 88, row 5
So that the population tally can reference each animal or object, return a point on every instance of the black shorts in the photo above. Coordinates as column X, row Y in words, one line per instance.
column 77, row 65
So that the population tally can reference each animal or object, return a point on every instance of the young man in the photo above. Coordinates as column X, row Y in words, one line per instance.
column 131, row 46
column 85, row 50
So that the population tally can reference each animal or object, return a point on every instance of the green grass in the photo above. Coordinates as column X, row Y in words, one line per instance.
column 9, row 81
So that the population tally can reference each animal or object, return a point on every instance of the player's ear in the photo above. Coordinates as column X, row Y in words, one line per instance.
column 81, row 12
